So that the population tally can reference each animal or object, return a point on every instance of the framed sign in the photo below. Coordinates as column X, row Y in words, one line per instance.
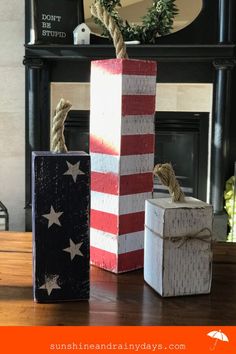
column 53, row 21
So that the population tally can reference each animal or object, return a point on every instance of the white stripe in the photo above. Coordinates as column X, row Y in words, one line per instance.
column 119, row 205
column 105, row 111
column 123, row 165
column 104, row 163
column 136, row 164
column 103, row 240
column 133, row 203
column 138, row 85
column 131, row 242
column 137, row 124
column 105, row 202
column 116, row 244
column 117, row 85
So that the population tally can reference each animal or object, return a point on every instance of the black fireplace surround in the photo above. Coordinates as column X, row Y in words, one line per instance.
column 203, row 52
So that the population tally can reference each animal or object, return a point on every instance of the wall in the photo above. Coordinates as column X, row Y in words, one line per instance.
column 12, row 121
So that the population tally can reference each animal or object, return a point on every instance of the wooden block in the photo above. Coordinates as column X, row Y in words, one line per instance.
column 177, row 250
column 122, row 159
column 60, row 206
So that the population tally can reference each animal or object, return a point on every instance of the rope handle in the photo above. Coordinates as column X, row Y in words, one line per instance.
column 58, row 144
column 167, row 176
column 98, row 11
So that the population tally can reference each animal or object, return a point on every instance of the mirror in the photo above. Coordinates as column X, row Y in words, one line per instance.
column 133, row 10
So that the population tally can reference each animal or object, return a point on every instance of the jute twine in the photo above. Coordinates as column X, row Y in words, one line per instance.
column 98, row 11
column 181, row 240
column 58, row 144
column 166, row 174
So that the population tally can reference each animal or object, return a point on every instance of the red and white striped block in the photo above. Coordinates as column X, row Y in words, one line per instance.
column 122, row 158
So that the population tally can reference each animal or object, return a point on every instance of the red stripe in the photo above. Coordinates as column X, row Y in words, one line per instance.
column 109, row 261
column 104, row 221
column 103, row 259
column 130, row 261
column 131, row 222
column 129, row 184
column 126, row 66
column 100, row 145
column 138, row 104
column 130, row 145
column 105, row 182
column 138, row 183
column 137, row 144
column 114, row 224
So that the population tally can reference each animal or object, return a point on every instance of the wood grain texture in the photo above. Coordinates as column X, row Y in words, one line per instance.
column 115, row 300
column 224, row 252
column 130, row 86
column 177, row 267
column 60, row 220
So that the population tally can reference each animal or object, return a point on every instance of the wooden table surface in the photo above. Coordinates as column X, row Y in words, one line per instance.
column 115, row 300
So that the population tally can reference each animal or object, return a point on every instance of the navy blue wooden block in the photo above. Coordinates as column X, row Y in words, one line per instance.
column 60, row 203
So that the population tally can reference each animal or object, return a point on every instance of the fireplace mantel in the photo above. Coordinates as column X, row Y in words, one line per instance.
column 170, row 53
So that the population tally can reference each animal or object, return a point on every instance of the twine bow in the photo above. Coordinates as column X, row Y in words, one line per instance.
column 197, row 236
column 98, row 11
column 185, row 238
column 58, row 144
column 166, row 174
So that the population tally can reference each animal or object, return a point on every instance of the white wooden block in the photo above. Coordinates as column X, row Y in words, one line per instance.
column 177, row 246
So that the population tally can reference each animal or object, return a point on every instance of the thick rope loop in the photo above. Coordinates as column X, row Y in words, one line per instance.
column 58, row 144
column 166, row 175
column 97, row 10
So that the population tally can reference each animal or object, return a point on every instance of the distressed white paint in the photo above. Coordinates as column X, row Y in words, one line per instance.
column 106, row 90
column 116, row 244
column 124, row 165
column 138, row 85
column 104, row 240
column 119, row 205
column 176, row 219
column 136, row 164
column 172, row 268
column 133, row 203
column 187, row 269
column 123, row 84
column 153, row 260
column 107, row 203
column 133, row 241
column 104, row 163
column 105, row 113
column 141, row 124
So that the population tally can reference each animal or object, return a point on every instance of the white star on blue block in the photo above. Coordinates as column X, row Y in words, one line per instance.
column 53, row 217
column 74, row 249
column 50, row 283
column 74, row 170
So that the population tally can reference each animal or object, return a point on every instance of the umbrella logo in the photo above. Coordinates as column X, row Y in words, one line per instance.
column 217, row 335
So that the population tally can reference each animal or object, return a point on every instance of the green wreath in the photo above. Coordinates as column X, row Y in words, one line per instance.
column 157, row 22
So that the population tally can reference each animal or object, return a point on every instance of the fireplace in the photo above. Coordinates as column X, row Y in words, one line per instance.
column 181, row 138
